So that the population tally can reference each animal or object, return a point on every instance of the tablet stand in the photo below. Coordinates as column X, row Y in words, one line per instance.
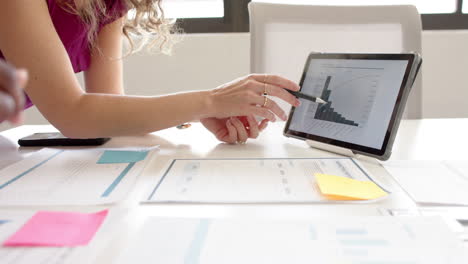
column 331, row 148
column 341, row 151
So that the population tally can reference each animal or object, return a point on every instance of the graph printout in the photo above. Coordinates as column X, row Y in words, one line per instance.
column 360, row 96
column 249, row 180
column 66, row 177
column 327, row 240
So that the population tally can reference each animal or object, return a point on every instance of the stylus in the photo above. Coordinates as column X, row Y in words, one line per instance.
column 307, row 97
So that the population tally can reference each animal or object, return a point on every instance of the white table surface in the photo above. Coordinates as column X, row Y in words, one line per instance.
column 428, row 139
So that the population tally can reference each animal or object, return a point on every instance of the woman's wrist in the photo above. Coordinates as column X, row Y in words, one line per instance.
column 208, row 104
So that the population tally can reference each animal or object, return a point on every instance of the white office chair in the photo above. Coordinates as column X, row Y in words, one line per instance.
column 283, row 35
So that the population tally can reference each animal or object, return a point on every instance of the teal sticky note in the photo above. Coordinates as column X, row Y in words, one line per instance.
column 122, row 156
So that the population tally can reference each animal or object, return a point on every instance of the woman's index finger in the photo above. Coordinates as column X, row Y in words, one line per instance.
column 277, row 81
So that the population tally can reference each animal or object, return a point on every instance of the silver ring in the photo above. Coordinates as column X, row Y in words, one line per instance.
column 265, row 101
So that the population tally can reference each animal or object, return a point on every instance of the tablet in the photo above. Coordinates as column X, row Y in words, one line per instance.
column 365, row 98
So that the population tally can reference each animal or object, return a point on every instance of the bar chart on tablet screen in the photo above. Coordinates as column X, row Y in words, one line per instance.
column 350, row 93
column 361, row 96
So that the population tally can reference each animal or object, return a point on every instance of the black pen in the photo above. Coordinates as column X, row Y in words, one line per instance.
column 307, row 97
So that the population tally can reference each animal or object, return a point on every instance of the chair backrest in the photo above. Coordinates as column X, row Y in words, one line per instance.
column 283, row 35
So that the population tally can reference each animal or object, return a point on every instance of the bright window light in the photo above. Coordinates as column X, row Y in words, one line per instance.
column 190, row 9
column 465, row 7
column 424, row 6
column 193, row 8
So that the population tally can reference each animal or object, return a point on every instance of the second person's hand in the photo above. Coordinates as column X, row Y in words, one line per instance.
column 234, row 129
column 12, row 83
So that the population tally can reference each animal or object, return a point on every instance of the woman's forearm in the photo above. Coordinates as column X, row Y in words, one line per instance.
column 103, row 115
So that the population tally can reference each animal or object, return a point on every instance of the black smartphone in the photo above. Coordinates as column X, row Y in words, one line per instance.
column 57, row 139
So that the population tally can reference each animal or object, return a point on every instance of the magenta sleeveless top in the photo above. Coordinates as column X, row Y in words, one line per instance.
column 73, row 33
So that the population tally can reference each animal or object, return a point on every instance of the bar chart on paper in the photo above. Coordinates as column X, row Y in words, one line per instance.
column 359, row 240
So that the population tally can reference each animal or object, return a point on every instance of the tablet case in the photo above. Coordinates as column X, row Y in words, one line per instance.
column 393, row 130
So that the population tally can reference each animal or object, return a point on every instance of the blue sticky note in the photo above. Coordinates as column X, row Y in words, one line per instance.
column 122, row 156
column 4, row 221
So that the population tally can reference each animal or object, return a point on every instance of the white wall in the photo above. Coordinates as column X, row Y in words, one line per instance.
column 204, row 61
column 200, row 61
column 445, row 76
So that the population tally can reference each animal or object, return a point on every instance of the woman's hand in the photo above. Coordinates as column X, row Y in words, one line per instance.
column 246, row 97
column 234, row 129
column 12, row 82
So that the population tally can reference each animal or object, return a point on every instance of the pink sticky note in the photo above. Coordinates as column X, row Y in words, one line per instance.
column 57, row 229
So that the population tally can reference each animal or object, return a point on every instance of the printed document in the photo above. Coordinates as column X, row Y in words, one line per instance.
column 321, row 240
column 249, row 180
column 432, row 182
column 66, row 177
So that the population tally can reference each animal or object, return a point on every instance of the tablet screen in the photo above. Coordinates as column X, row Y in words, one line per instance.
column 361, row 96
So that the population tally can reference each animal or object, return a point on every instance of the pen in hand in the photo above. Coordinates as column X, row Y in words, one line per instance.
column 307, row 97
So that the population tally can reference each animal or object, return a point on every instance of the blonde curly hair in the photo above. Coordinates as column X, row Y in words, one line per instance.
column 147, row 27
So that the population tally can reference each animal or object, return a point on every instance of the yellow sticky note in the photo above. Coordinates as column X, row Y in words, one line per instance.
column 342, row 188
